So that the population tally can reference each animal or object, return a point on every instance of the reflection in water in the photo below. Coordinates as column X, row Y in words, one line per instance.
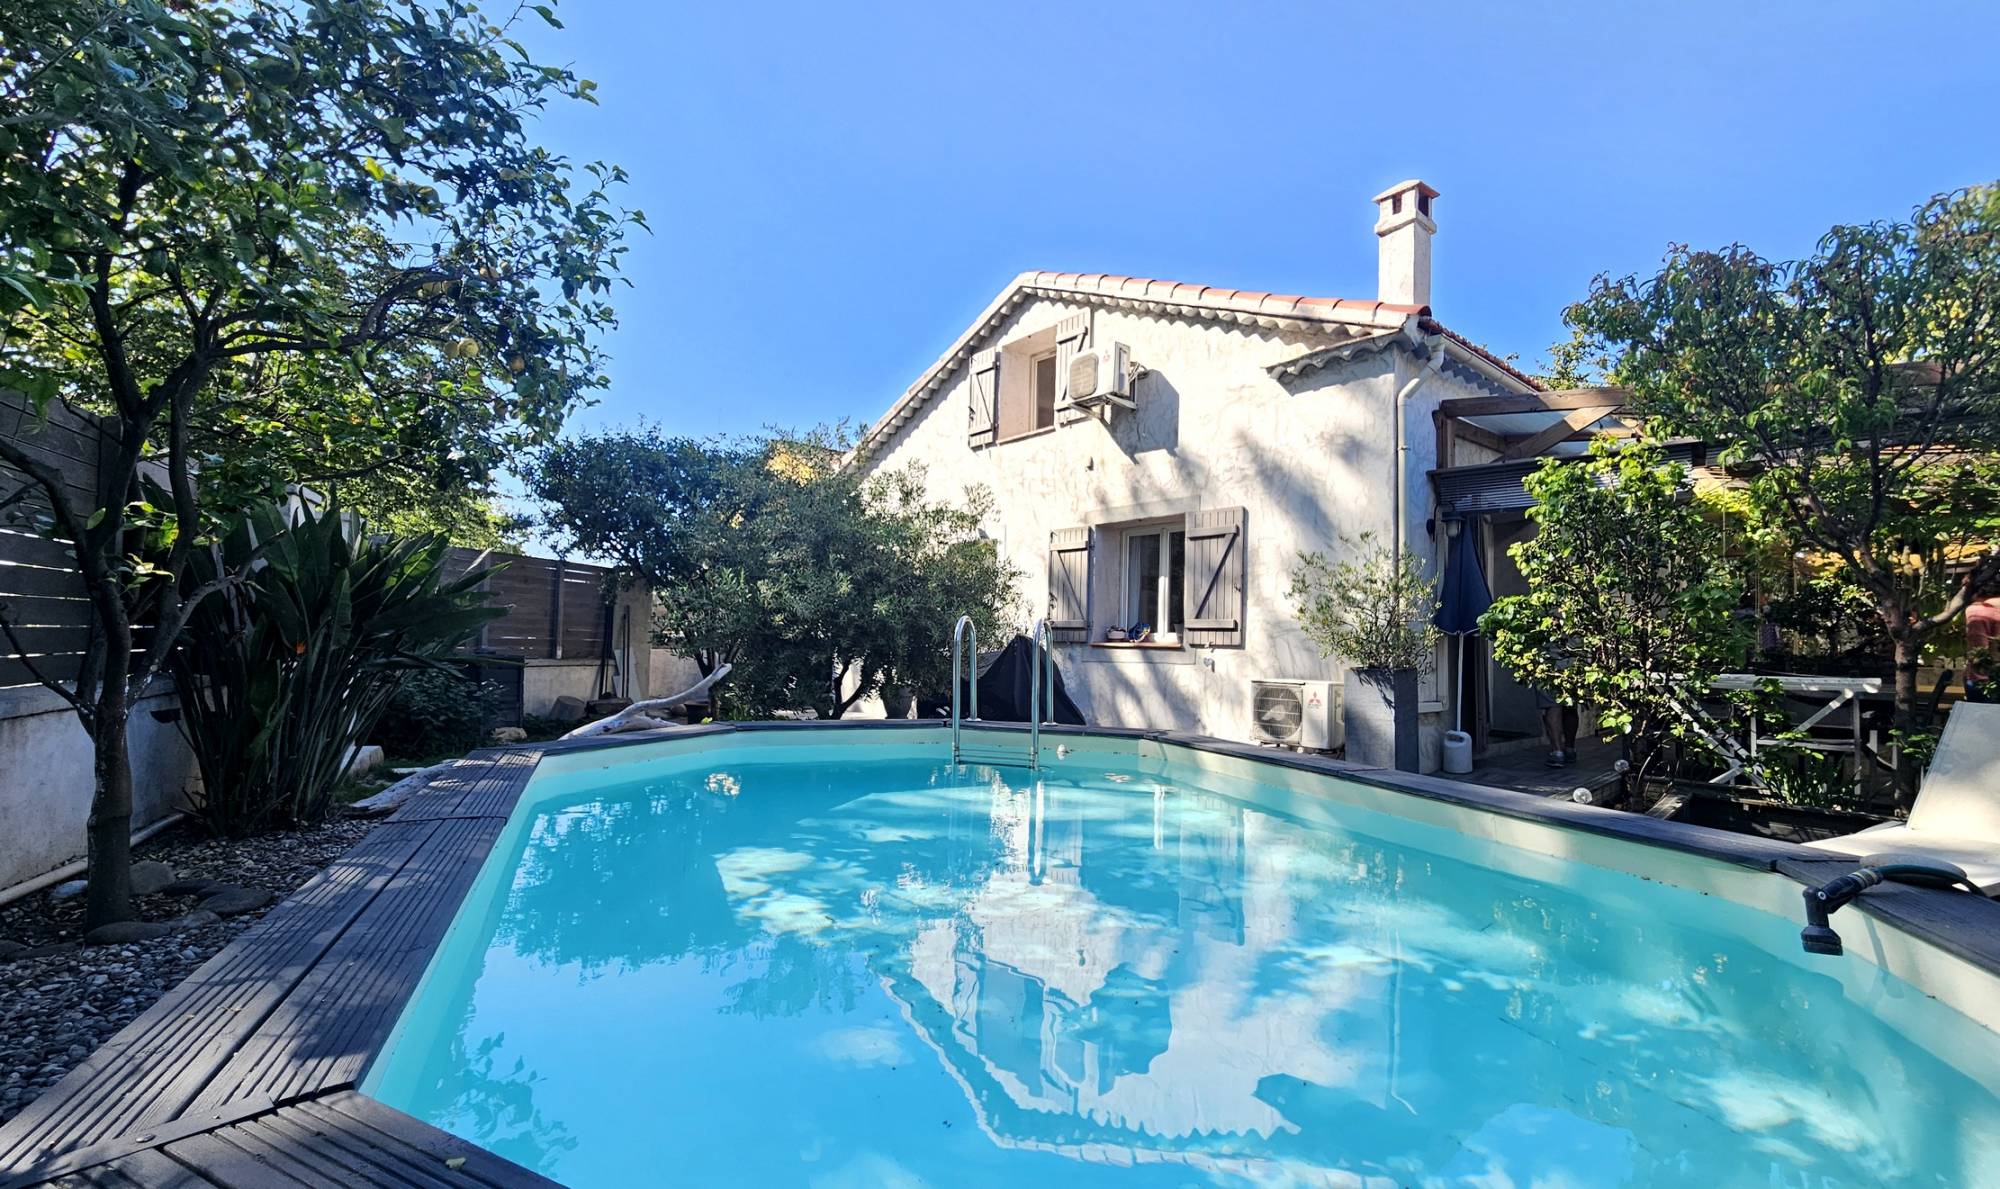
column 897, row 974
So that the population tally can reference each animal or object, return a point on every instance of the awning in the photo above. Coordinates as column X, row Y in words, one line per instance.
column 1496, row 486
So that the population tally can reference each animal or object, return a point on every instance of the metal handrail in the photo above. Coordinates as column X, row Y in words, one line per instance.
column 1046, row 655
column 959, row 633
column 964, row 643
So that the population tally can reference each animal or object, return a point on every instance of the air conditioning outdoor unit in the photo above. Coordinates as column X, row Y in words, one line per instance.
column 1102, row 377
column 1297, row 713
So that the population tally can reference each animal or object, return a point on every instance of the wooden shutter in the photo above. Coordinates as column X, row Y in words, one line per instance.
column 983, row 417
column 1069, row 584
column 1072, row 334
column 1215, row 562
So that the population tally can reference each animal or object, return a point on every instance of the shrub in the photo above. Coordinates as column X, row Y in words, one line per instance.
column 1629, row 603
column 541, row 727
column 436, row 712
column 293, row 663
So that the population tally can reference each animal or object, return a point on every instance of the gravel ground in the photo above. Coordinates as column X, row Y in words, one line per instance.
column 60, row 1000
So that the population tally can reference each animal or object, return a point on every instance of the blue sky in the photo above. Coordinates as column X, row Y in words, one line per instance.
column 837, row 190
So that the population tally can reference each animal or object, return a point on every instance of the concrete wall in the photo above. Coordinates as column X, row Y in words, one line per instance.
column 46, row 778
column 543, row 681
column 673, row 672
column 1311, row 459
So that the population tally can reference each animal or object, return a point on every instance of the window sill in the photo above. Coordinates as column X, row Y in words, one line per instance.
column 1022, row 437
column 1139, row 646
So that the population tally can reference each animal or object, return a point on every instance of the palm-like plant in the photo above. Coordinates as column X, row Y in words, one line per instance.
column 281, row 676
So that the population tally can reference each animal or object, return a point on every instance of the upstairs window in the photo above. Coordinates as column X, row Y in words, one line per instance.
column 1017, row 389
column 1045, row 390
column 1027, row 386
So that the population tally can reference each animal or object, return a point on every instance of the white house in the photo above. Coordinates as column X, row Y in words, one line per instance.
column 1160, row 453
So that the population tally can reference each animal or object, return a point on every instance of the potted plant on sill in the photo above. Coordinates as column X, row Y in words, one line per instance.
column 1374, row 611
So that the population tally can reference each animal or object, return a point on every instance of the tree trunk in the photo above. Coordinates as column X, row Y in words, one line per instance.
column 1909, row 650
column 108, row 836
column 108, row 833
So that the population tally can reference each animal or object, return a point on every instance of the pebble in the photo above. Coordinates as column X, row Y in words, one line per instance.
column 149, row 876
column 124, row 932
column 229, row 901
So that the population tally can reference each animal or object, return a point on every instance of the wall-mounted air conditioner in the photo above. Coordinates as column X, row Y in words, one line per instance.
column 1101, row 377
column 1297, row 713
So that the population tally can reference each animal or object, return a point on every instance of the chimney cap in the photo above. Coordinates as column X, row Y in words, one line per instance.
column 1422, row 187
column 1404, row 204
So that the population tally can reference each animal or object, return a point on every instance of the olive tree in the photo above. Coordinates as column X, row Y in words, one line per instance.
column 816, row 584
column 271, row 230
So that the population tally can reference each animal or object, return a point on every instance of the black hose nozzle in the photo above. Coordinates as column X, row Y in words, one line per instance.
column 1821, row 902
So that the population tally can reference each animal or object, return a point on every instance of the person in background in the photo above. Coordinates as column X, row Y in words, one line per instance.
column 1559, row 723
column 1982, row 651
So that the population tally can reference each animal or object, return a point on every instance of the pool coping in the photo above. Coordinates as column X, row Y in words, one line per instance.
column 247, row 1072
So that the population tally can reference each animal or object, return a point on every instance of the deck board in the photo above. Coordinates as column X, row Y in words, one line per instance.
column 214, row 1157
column 150, row 1070
column 487, row 785
column 387, row 1126
column 339, row 1139
column 150, row 1169
column 291, row 1011
column 323, row 1033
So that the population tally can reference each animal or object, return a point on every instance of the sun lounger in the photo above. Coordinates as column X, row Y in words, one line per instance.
column 1957, row 814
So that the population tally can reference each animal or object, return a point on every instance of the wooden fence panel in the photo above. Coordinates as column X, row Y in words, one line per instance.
column 555, row 608
column 41, row 592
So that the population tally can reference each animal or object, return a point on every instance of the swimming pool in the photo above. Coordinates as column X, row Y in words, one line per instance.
column 852, row 963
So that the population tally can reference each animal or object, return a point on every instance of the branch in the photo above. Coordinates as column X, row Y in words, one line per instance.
column 1981, row 577
column 110, row 340
column 254, row 340
column 637, row 716
column 51, row 484
column 166, row 633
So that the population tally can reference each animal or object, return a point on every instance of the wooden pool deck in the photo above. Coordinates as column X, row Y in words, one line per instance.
column 245, row 1074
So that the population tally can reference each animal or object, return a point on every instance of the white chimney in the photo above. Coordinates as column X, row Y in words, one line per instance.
column 1405, row 227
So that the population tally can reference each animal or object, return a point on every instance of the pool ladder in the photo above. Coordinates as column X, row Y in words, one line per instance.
column 964, row 658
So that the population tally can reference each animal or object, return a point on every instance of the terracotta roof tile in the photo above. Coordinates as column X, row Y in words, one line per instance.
column 1433, row 326
column 1358, row 316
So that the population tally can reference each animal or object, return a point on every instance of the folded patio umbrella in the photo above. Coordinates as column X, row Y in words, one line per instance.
column 1463, row 600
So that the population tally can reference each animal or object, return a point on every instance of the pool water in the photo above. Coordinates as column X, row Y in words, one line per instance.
column 734, row 969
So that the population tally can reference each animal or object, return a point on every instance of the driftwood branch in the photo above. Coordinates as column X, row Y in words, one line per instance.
column 640, row 716
column 391, row 799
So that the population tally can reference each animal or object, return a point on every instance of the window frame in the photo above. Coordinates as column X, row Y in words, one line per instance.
column 1035, row 363
column 1169, row 602
column 1017, row 412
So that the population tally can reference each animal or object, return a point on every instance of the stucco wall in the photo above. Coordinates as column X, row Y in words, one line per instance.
column 1311, row 459
column 543, row 681
column 46, row 779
